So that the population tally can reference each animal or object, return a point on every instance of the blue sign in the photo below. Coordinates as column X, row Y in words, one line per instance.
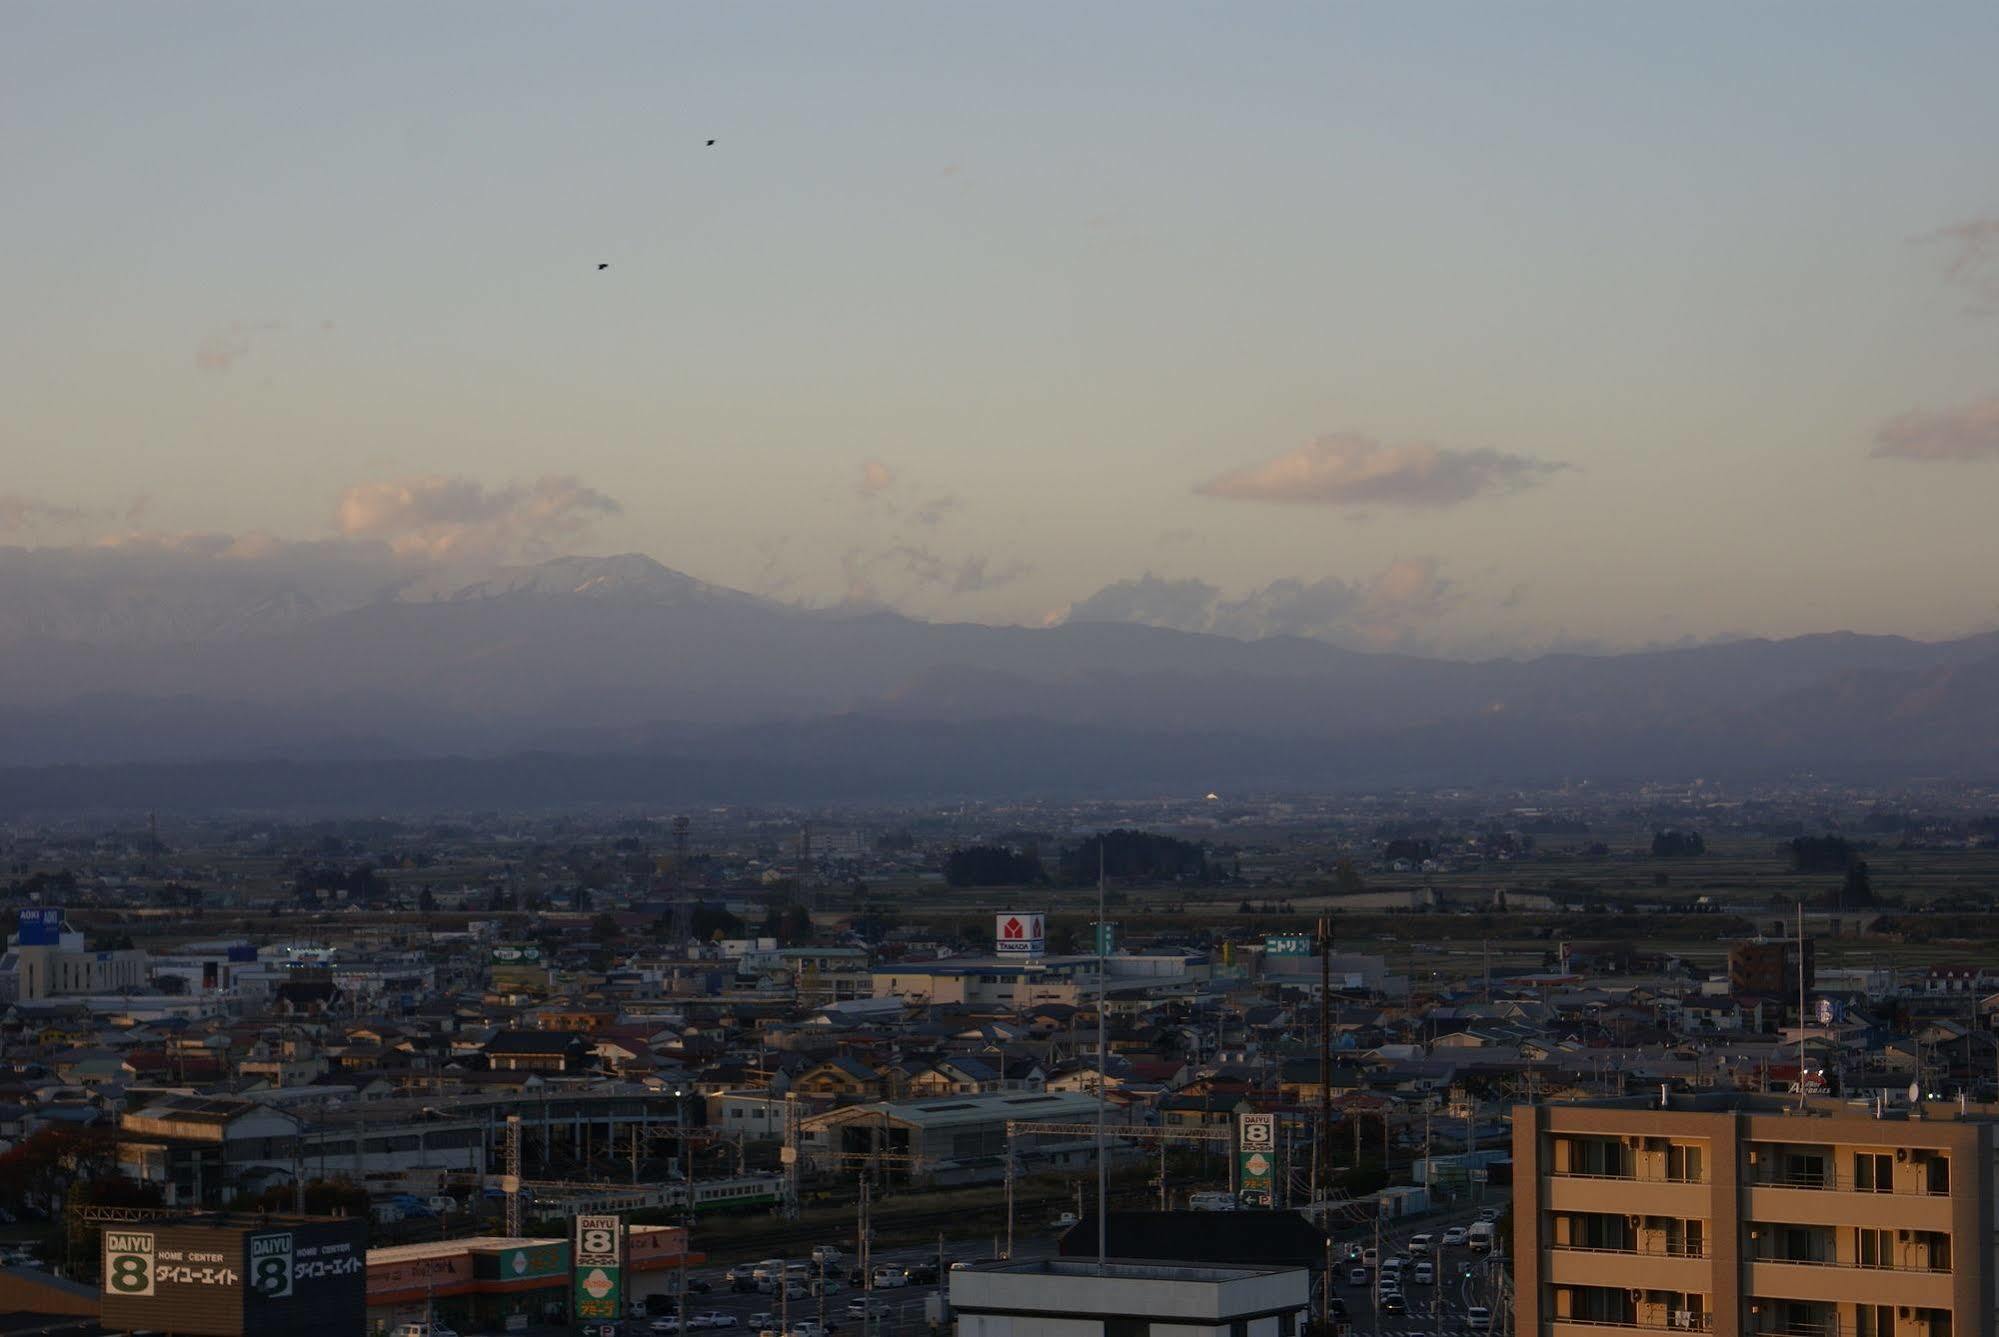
column 41, row 926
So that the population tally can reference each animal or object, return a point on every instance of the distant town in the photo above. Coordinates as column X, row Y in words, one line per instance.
column 799, row 1068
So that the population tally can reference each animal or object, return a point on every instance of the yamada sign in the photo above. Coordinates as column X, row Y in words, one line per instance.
column 1020, row 934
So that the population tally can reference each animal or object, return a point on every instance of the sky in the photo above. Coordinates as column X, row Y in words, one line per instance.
column 1468, row 329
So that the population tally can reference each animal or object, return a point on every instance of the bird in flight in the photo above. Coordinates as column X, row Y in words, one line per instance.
column 606, row 265
column 711, row 143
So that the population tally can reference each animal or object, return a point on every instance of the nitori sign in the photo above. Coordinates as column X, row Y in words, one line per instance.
column 1020, row 934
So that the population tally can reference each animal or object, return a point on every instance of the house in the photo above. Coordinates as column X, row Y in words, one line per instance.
column 537, row 1051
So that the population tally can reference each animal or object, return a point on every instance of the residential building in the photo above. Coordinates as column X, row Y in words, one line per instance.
column 1735, row 1213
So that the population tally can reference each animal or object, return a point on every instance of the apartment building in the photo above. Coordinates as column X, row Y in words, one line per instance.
column 1736, row 1213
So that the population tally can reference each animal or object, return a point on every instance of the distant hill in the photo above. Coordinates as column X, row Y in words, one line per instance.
column 429, row 685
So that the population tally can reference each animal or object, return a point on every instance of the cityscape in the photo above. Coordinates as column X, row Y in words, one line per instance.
column 999, row 671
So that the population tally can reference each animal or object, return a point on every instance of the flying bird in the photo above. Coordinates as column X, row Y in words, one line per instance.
column 711, row 143
column 605, row 265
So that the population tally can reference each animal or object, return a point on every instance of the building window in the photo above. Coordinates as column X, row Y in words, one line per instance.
column 1126, row 1327
column 1873, row 1173
column 1873, row 1248
column 1939, row 1174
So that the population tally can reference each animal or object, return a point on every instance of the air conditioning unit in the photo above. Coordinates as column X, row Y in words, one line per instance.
column 1633, row 1140
column 1633, row 1219
column 1904, row 1311
column 1634, row 1295
column 1901, row 1153
column 1902, row 1235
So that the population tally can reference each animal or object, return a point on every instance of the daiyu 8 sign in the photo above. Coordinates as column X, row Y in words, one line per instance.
column 599, row 1267
column 1020, row 935
column 231, row 1276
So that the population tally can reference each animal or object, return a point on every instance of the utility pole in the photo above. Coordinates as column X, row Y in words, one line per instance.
column 1103, row 1063
column 510, row 1180
column 1322, row 1151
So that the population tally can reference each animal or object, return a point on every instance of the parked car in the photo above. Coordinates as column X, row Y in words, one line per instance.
column 714, row 1318
column 827, row 1255
column 862, row 1307
column 762, row 1319
column 667, row 1323
column 825, row 1286
column 921, row 1274
column 1478, row 1318
column 889, row 1278
column 1488, row 1214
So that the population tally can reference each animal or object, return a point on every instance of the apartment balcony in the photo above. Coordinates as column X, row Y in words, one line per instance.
column 1828, row 1200
column 1598, row 1327
column 1633, row 1269
column 1846, row 1283
column 1619, row 1194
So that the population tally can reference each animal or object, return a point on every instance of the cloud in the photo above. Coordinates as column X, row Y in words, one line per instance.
column 1348, row 469
column 1967, row 433
column 876, row 478
column 440, row 517
column 907, row 571
column 1971, row 250
column 19, row 513
column 1383, row 612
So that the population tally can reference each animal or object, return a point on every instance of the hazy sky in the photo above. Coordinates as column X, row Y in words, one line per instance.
column 1473, row 327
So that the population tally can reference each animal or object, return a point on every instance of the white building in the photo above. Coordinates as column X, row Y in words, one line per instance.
column 1075, row 1297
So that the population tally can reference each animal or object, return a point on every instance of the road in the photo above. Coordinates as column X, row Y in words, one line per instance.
column 1464, row 1278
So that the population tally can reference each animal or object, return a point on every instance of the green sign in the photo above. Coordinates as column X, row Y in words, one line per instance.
column 1105, row 939
column 1256, row 1160
column 600, row 1275
column 1288, row 944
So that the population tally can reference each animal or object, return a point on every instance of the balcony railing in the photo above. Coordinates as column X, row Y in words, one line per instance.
column 1828, row 1328
column 1636, row 1251
column 1647, row 1177
column 1831, row 1181
column 1701, row 1322
column 1845, row 1262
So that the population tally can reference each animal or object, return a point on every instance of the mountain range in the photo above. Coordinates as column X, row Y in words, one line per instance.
column 617, row 679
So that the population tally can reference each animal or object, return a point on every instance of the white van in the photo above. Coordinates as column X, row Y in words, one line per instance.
column 1479, row 1239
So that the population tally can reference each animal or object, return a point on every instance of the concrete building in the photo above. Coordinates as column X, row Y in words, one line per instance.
column 1735, row 1213
column 952, row 1139
column 1074, row 1297
column 1768, row 967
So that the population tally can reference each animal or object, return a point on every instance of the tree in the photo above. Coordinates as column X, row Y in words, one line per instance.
column 1410, row 848
column 1135, row 854
column 1346, row 878
column 1672, row 844
column 604, row 928
column 426, row 900
column 1820, row 854
column 1856, row 892
column 991, row 866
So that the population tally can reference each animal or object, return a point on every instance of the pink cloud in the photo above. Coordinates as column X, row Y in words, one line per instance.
column 1348, row 469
